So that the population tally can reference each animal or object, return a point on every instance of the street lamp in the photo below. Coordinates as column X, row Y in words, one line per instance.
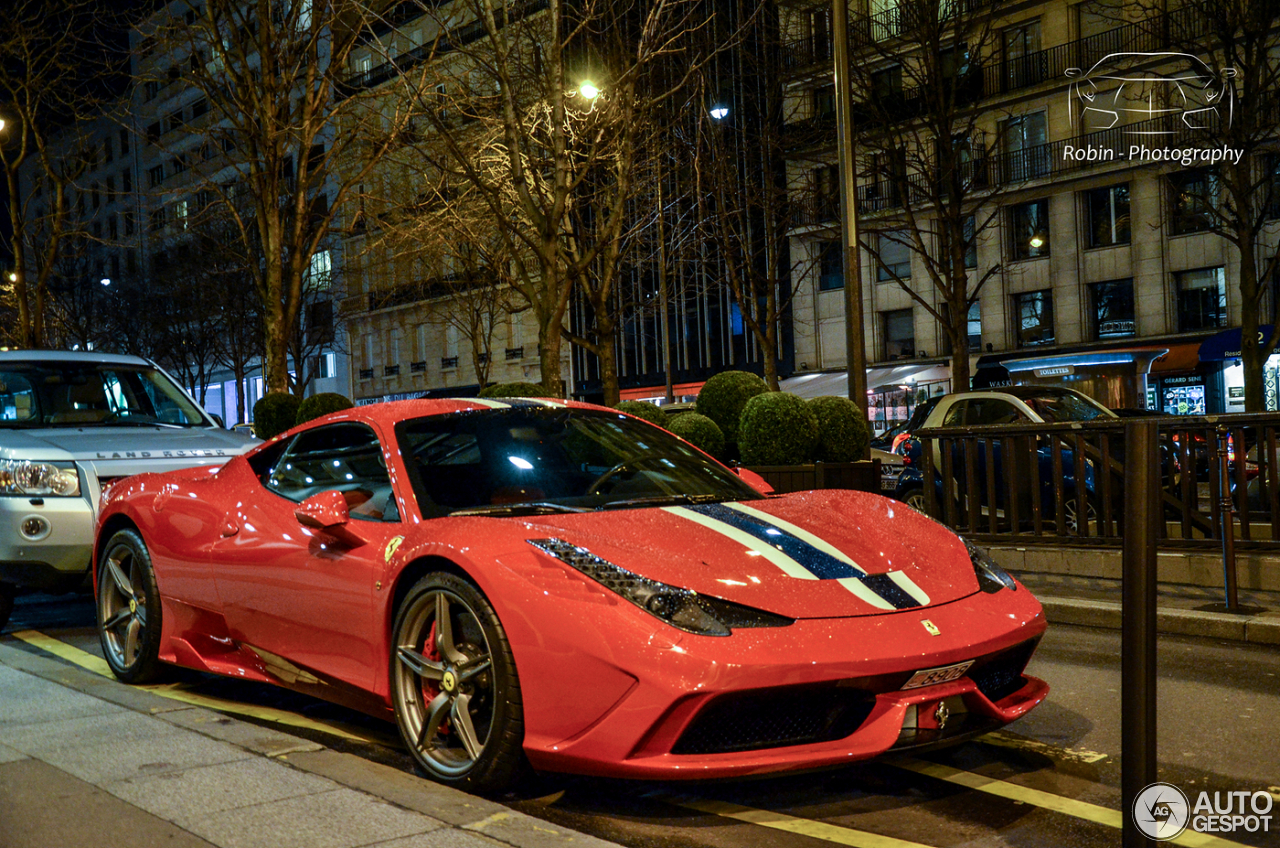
column 105, row 281
column 719, row 112
column 588, row 90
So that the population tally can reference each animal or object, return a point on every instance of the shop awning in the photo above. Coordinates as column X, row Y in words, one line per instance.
column 1227, row 344
column 654, row 392
column 878, row 379
column 1180, row 358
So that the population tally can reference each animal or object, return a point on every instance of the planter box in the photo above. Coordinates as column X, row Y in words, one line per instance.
column 863, row 476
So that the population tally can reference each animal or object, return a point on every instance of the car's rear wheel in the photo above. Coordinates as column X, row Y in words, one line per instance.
column 129, row 609
column 454, row 686
column 1071, row 514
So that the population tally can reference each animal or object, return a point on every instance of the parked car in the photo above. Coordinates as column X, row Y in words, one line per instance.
column 896, row 435
column 1010, row 405
column 70, row 424
column 553, row 583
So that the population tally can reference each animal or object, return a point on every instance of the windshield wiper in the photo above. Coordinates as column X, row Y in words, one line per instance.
column 540, row 508
column 655, row 500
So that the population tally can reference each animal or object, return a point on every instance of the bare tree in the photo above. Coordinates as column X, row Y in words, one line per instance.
column 296, row 139
column 43, row 47
column 930, row 157
column 539, row 107
column 1239, row 41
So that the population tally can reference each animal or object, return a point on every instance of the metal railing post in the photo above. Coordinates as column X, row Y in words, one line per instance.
column 1227, row 525
column 1138, row 619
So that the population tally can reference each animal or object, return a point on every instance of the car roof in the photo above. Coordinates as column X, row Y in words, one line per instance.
column 71, row 356
column 1126, row 62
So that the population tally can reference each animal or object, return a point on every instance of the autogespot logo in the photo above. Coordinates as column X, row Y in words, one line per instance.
column 1131, row 105
column 1162, row 812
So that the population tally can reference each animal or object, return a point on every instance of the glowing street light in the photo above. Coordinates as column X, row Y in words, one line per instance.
column 105, row 281
column 719, row 112
column 588, row 90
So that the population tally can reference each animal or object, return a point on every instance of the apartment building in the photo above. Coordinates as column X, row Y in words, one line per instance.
column 1099, row 267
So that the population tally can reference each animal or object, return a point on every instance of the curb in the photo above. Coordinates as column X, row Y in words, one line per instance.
column 1260, row 629
column 471, row 814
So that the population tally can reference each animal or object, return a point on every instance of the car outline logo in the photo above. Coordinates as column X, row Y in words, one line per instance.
column 1201, row 92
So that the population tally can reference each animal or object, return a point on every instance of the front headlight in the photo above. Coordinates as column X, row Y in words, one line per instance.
column 39, row 479
column 682, row 608
column 991, row 577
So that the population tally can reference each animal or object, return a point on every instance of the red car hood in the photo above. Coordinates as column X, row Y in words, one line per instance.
column 819, row 554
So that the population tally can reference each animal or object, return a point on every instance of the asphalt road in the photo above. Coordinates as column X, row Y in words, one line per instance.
column 1051, row 779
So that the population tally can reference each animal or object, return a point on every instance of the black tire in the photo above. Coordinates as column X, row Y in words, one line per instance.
column 7, row 593
column 468, row 674
column 128, row 609
column 1071, row 518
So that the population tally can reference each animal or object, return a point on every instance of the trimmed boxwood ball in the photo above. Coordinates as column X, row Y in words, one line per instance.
column 725, row 395
column 274, row 413
column 322, row 404
column 648, row 411
column 777, row 429
column 700, row 431
column 514, row 390
column 842, row 430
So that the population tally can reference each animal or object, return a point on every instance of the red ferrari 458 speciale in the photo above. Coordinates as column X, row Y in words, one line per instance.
column 534, row 582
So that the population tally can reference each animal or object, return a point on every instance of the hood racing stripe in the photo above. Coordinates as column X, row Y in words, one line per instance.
column 797, row 555
column 491, row 404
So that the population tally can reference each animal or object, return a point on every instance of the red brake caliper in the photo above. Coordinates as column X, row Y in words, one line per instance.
column 429, row 689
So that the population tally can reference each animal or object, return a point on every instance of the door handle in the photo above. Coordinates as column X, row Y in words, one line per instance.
column 230, row 529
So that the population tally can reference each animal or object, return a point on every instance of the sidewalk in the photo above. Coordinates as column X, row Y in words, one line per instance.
column 90, row 762
column 1180, row 609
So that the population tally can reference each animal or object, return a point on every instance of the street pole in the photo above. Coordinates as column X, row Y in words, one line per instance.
column 854, row 345
column 1142, row 517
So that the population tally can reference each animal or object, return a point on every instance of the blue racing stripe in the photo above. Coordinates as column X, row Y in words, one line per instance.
column 823, row 565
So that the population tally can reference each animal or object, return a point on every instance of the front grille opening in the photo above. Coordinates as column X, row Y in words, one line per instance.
column 775, row 718
column 999, row 676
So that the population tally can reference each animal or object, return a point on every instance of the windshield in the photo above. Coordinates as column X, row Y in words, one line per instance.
column 83, row 394
column 555, row 460
column 1065, row 406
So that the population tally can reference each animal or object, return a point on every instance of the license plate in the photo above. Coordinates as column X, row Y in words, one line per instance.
column 888, row 484
column 931, row 676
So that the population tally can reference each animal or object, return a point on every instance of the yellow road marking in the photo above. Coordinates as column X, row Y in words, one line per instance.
column 1049, row 801
column 178, row 692
column 791, row 824
column 1005, row 739
column 71, row 654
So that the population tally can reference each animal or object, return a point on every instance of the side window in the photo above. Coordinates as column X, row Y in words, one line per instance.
column 955, row 415
column 343, row 457
column 995, row 411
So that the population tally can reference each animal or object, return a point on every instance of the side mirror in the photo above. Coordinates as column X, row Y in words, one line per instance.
column 754, row 480
column 325, row 511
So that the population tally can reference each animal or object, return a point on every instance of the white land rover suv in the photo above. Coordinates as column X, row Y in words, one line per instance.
column 70, row 423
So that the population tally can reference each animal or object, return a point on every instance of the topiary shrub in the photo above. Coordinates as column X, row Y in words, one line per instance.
column 274, row 413
column 700, row 431
column 842, row 430
column 648, row 411
column 777, row 429
column 514, row 390
column 321, row 404
column 725, row 395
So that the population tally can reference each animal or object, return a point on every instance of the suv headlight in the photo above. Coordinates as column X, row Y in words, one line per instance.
column 991, row 577
column 682, row 608
column 39, row 479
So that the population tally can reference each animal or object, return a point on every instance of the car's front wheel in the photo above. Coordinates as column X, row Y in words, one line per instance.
column 454, row 686
column 129, row 609
column 914, row 498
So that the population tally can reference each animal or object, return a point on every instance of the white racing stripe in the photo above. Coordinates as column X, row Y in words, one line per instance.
column 906, row 584
column 800, row 533
column 775, row 556
column 491, row 404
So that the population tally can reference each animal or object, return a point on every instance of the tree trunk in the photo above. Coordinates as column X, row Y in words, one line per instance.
column 549, row 358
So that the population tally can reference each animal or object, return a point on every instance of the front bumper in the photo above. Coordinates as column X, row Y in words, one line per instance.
column 829, row 691
column 57, row 558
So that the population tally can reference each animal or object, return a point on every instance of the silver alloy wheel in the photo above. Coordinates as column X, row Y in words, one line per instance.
column 915, row 500
column 1072, row 520
column 122, row 606
column 445, row 694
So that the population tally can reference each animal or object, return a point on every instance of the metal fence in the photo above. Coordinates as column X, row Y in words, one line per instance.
column 1063, row 484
